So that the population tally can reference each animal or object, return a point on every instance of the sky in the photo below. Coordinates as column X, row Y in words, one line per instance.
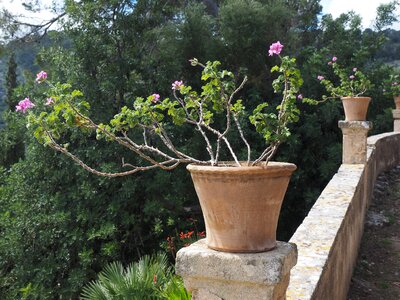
column 365, row 8
column 16, row 7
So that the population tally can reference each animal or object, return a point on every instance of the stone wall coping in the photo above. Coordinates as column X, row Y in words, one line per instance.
column 328, row 238
column 362, row 125
column 372, row 140
column 317, row 234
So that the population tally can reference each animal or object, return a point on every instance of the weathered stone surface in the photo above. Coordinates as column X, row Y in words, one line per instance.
column 328, row 239
column 376, row 219
column 396, row 120
column 211, row 274
column 321, row 233
column 354, row 141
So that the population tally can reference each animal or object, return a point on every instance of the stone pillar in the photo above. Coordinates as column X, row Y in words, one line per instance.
column 215, row 275
column 355, row 141
column 396, row 119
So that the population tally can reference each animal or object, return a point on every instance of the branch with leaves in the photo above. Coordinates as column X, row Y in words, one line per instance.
column 214, row 112
column 14, row 27
column 352, row 83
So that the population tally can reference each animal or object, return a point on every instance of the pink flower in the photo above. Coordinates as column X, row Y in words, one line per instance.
column 334, row 58
column 351, row 77
column 330, row 63
column 155, row 98
column 41, row 76
column 394, row 83
column 24, row 105
column 300, row 96
column 177, row 85
column 354, row 69
column 49, row 101
column 275, row 48
column 320, row 77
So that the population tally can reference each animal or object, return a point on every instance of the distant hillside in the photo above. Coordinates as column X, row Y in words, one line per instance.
column 390, row 52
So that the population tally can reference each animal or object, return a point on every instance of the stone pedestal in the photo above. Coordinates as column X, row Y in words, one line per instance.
column 214, row 275
column 396, row 120
column 354, row 141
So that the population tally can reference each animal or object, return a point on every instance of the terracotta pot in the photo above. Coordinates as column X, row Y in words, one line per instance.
column 241, row 205
column 397, row 101
column 355, row 108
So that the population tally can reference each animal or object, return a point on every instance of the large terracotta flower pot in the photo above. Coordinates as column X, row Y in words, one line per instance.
column 241, row 205
column 355, row 108
column 397, row 101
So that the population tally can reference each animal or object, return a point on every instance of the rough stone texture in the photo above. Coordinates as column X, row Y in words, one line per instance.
column 354, row 141
column 329, row 237
column 396, row 120
column 376, row 219
column 211, row 274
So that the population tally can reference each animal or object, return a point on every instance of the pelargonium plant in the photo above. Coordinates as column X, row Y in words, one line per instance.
column 392, row 85
column 152, row 117
column 352, row 82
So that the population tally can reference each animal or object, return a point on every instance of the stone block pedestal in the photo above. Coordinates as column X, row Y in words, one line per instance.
column 215, row 275
column 396, row 120
column 355, row 141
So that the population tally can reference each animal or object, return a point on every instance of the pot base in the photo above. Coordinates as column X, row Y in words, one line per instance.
column 241, row 251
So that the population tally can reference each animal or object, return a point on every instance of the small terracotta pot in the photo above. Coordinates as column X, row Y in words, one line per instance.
column 355, row 108
column 397, row 101
column 241, row 205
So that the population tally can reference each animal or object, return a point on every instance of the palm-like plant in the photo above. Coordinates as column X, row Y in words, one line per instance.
column 150, row 278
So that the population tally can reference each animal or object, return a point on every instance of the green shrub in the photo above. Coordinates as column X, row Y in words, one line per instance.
column 151, row 277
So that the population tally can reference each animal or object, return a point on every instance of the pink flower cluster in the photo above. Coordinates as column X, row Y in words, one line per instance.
column 177, row 85
column 49, row 101
column 320, row 77
column 41, row 76
column 275, row 48
column 155, row 98
column 353, row 76
column 24, row 105
column 332, row 60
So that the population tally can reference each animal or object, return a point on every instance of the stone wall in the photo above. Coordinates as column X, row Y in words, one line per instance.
column 329, row 237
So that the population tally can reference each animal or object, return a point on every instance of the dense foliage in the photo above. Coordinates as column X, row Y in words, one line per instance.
column 60, row 225
column 150, row 278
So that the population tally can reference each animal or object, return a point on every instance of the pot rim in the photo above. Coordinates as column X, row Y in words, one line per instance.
column 356, row 97
column 230, row 167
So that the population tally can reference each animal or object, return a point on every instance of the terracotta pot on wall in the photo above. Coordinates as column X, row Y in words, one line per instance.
column 397, row 101
column 241, row 205
column 355, row 108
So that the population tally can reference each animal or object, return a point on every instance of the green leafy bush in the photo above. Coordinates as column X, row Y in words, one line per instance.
column 150, row 278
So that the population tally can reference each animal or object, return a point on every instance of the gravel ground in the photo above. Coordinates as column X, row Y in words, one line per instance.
column 377, row 274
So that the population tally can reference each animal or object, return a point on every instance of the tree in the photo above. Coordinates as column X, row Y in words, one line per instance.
column 11, row 81
column 385, row 15
column 14, row 26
